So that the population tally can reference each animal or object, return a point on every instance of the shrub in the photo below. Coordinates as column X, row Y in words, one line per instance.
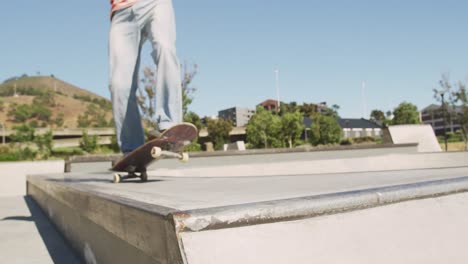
column 194, row 147
column 88, row 143
column 346, row 141
column 361, row 140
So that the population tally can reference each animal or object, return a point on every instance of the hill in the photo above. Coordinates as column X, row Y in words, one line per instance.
column 45, row 83
column 44, row 101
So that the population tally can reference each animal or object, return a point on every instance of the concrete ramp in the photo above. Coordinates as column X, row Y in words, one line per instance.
column 422, row 134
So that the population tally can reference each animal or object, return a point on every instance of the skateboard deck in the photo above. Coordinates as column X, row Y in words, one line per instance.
column 170, row 144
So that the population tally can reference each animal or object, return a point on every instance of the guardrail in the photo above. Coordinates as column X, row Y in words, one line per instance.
column 71, row 132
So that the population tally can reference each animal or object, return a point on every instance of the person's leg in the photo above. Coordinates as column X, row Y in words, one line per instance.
column 124, row 56
column 168, row 94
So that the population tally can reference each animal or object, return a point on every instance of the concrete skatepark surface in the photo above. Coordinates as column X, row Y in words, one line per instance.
column 15, row 174
column 253, row 211
column 28, row 236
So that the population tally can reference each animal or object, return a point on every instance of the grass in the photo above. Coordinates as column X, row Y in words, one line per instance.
column 454, row 146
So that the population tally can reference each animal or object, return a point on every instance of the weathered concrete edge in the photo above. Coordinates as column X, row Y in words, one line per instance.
column 102, row 158
column 144, row 231
column 312, row 206
column 301, row 149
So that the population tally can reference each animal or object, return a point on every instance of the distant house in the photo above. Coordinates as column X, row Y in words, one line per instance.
column 237, row 115
column 270, row 105
column 433, row 115
column 353, row 127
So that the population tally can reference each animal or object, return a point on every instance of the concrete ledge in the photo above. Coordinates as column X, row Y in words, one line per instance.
column 313, row 152
column 106, row 226
column 307, row 207
column 311, row 163
column 106, row 229
column 406, row 148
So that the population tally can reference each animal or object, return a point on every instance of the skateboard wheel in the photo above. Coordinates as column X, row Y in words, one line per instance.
column 117, row 178
column 184, row 157
column 144, row 176
column 156, row 152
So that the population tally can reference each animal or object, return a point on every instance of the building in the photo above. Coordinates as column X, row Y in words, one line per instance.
column 270, row 105
column 433, row 115
column 353, row 127
column 321, row 107
column 239, row 116
column 356, row 128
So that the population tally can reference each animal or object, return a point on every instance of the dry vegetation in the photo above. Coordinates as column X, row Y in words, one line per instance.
column 68, row 100
column 454, row 146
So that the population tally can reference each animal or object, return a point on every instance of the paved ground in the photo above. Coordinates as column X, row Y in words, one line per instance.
column 27, row 236
column 13, row 174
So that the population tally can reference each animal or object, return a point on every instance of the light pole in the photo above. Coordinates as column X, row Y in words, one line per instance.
column 364, row 100
column 442, row 93
column 277, row 89
column 3, row 133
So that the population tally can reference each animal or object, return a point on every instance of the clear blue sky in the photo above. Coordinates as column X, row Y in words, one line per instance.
column 323, row 49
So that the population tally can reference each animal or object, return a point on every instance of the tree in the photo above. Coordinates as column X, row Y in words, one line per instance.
column 324, row 130
column 40, row 112
column 189, row 73
column 93, row 117
column 263, row 129
column 441, row 96
column 406, row 113
column 458, row 99
column 146, row 95
column 333, row 111
column 291, row 127
column 19, row 113
column 193, row 118
column 378, row 116
column 83, row 121
column 289, row 108
column 23, row 133
column 45, row 144
column 461, row 97
column 308, row 109
column 45, row 99
column 218, row 131
column 59, row 120
column 88, row 143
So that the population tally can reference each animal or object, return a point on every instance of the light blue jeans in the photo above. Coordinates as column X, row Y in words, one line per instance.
column 151, row 20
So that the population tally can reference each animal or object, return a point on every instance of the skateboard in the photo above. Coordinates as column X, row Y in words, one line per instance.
column 170, row 144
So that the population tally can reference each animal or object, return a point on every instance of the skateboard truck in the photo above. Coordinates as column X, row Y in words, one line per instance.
column 156, row 153
column 131, row 175
column 170, row 144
